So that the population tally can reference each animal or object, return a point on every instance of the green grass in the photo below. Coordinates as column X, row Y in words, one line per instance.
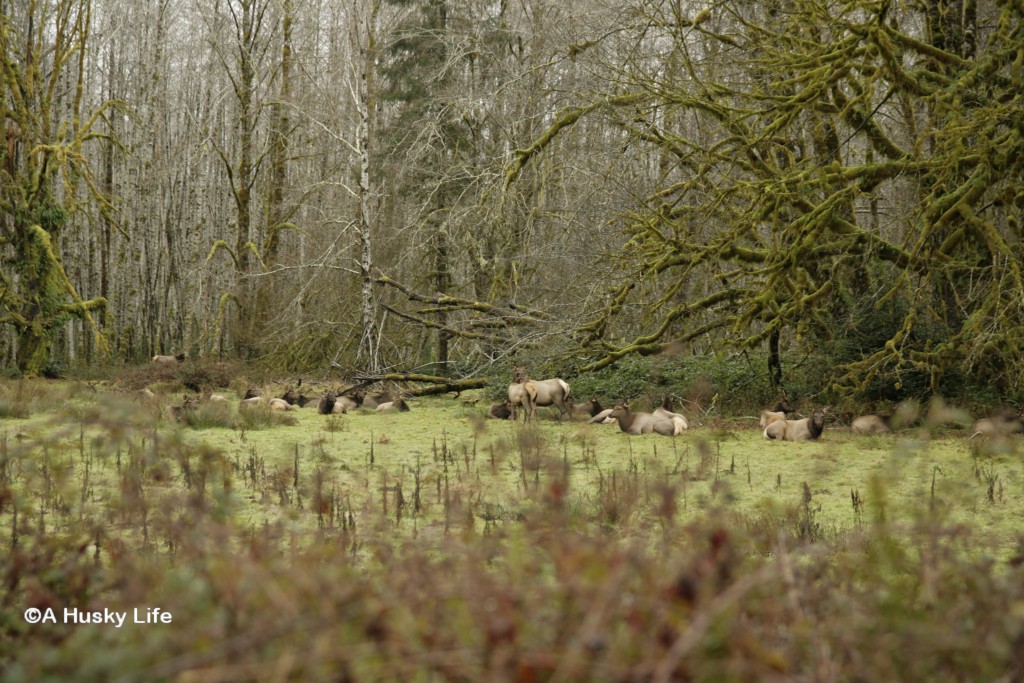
column 436, row 544
column 442, row 441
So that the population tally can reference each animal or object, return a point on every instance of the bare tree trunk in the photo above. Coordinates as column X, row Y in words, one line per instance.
column 443, row 281
column 243, row 182
column 279, row 143
column 368, row 352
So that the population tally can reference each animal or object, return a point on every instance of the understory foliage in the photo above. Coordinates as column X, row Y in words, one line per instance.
column 829, row 170
column 560, row 582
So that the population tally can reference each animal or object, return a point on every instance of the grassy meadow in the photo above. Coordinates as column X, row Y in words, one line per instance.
column 438, row 545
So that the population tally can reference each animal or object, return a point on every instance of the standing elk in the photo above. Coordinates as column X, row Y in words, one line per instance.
column 807, row 429
column 520, row 394
column 531, row 393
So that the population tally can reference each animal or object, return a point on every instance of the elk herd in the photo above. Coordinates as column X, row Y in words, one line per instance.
column 525, row 395
column 334, row 402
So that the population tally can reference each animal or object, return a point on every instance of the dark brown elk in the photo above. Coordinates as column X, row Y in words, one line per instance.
column 644, row 423
column 326, row 405
column 294, row 398
column 1005, row 423
column 807, row 429
column 251, row 392
column 587, row 410
column 779, row 412
column 500, row 411
column 866, row 425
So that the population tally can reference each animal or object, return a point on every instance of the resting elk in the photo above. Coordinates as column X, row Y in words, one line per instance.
column 586, row 410
column 181, row 413
column 326, row 405
column 871, row 424
column 169, row 360
column 280, row 404
column 343, row 404
column 376, row 400
column 500, row 411
column 645, row 423
column 397, row 404
column 779, row 412
column 1006, row 422
column 665, row 410
column 807, row 429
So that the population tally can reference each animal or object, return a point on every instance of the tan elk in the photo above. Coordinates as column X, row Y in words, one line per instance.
column 666, row 410
column 779, row 412
column 807, row 429
column 1005, row 423
column 866, row 425
column 396, row 405
column 645, row 423
column 519, row 394
column 530, row 393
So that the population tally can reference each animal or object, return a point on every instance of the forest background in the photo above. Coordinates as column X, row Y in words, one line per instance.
column 445, row 186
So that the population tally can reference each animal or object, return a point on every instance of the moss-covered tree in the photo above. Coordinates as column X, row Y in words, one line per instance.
column 830, row 164
column 42, row 163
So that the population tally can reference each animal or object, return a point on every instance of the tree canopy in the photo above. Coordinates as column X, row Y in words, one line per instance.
column 841, row 172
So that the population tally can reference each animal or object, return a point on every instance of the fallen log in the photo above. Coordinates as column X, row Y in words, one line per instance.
column 442, row 385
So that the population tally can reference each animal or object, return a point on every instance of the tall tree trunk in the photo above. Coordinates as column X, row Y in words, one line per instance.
column 368, row 352
column 243, row 183
column 443, row 282
column 276, row 214
column 774, row 361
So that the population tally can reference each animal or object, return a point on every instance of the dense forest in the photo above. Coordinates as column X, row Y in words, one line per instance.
column 439, row 185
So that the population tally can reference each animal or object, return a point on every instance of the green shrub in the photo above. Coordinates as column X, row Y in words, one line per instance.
column 213, row 414
column 262, row 417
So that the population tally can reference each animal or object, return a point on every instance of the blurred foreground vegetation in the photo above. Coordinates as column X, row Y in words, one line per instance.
column 434, row 545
